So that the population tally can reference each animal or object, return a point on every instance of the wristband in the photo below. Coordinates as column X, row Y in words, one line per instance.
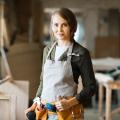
column 37, row 100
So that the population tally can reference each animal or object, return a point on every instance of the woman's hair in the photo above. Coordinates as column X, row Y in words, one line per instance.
column 69, row 16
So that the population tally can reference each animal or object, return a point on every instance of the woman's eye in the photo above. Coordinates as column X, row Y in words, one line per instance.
column 65, row 25
column 55, row 24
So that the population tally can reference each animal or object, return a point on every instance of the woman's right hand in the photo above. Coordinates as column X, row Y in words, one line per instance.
column 28, row 110
column 32, row 108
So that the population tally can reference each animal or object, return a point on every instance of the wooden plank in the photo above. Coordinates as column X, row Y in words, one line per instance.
column 1, row 23
column 5, row 63
column 100, row 104
column 114, row 85
column 108, row 104
column 5, row 79
column 21, row 90
column 8, row 105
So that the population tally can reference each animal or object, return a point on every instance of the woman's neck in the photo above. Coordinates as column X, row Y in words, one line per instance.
column 64, row 42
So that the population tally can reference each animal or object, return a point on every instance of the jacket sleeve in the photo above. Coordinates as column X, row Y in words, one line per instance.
column 39, row 91
column 88, row 79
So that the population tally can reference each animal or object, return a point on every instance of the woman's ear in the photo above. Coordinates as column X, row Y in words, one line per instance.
column 72, row 34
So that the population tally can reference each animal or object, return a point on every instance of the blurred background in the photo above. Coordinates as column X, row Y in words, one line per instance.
column 24, row 32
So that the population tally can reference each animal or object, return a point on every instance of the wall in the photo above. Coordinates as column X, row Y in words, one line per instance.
column 81, row 3
column 91, row 10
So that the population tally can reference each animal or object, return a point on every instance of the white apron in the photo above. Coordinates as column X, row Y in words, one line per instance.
column 58, row 78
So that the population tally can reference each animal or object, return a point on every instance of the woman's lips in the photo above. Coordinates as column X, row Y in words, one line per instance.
column 60, row 34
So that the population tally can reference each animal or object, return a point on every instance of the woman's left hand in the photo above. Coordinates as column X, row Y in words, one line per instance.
column 64, row 104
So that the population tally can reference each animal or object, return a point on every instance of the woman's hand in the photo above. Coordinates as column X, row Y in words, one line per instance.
column 32, row 108
column 64, row 104
column 27, row 111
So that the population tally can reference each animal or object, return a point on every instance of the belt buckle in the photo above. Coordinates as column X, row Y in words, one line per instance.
column 50, row 107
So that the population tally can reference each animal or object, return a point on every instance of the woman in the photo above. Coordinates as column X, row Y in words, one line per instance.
column 64, row 61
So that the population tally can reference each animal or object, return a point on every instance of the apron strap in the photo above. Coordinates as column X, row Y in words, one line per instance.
column 69, row 54
column 51, row 49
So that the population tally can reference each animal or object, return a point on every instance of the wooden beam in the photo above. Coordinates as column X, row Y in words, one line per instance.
column 1, row 23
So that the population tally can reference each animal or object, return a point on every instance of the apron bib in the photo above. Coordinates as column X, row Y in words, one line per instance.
column 58, row 78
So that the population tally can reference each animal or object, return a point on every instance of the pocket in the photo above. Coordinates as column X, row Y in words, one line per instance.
column 39, row 113
column 65, row 115
column 76, row 112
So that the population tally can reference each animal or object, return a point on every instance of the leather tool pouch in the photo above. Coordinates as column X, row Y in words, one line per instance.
column 74, row 113
column 39, row 113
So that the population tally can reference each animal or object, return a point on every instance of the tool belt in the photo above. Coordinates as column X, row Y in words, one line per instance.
column 74, row 113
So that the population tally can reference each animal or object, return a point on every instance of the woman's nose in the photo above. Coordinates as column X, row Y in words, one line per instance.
column 59, row 28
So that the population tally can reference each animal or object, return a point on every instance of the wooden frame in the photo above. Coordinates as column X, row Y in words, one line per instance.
column 8, row 103
column 113, row 85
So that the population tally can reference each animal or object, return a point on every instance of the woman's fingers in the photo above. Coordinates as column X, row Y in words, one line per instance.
column 59, row 105
column 26, row 111
column 62, row 104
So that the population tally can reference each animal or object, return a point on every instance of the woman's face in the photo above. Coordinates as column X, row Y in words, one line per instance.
column 60, row 28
